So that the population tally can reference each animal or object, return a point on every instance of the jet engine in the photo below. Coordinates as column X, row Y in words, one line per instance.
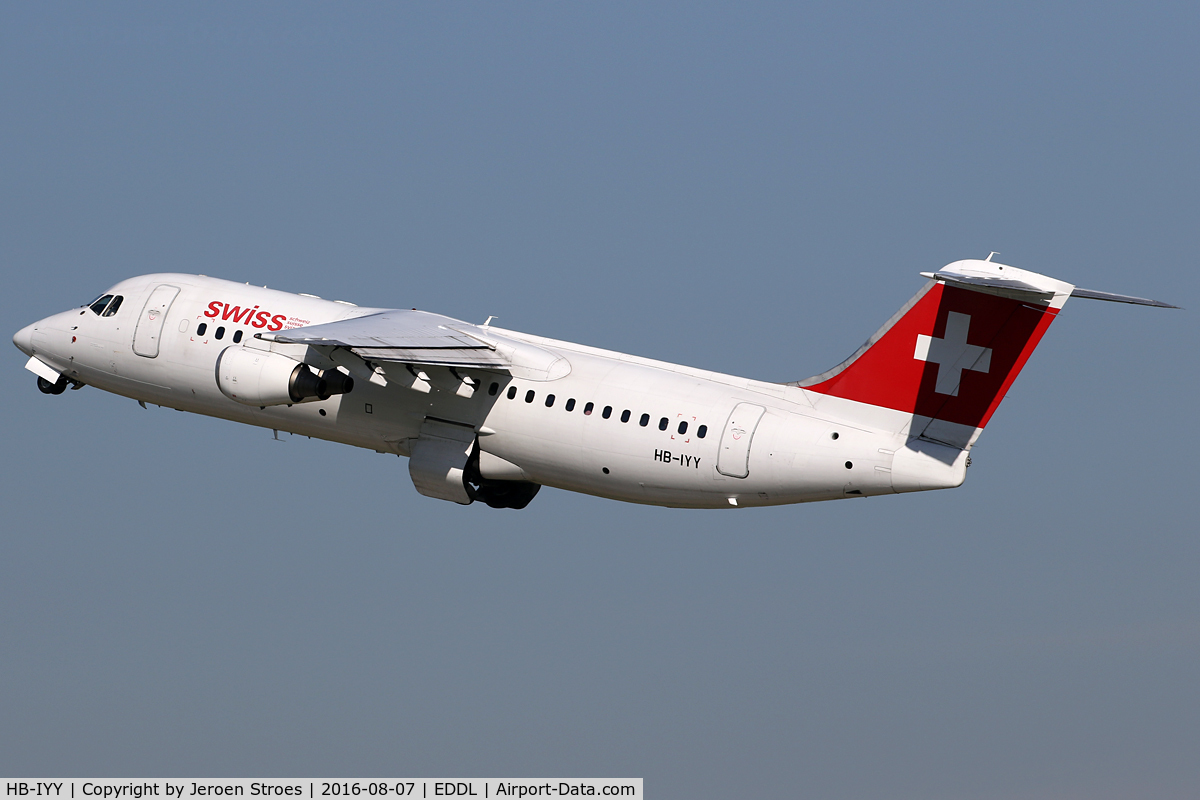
column 257, row 378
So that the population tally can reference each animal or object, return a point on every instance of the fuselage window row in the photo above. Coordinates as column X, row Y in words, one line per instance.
column 219, row 333
column 644, row 421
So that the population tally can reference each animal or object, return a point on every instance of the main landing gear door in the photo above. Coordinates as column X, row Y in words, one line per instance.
column 733, row 459
column 438, row 460
column 150, row 323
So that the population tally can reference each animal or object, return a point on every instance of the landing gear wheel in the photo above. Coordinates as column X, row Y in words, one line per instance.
column 58, row 387
column 506, row 494
column 496, row 494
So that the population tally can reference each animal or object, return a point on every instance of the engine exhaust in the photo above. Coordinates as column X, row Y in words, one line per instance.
column 336, row 382
column 304, row 383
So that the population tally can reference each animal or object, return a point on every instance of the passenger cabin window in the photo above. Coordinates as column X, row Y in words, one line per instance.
column 588, row 409
column 663, row 423
column 529, row 396
column 495, row 387
column 682, row 427
column 512, row 392
column 237, row 336
column 201, row 328
column 100, row 303
column 549, row 401
column 571, row 404
column 625, row 415
column 645, row 420
column 607, row 412
column 703, row 429
column 220, row 332
column 113, row 306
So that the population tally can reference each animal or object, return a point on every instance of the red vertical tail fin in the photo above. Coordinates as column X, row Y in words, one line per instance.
column 950, row 354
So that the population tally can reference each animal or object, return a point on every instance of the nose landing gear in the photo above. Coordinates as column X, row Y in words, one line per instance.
column 57, row 387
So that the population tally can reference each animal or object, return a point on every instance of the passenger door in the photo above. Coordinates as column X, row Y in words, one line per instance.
column 733, row 459
column 150, row 324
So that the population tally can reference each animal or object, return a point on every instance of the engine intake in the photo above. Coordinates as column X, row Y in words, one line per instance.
column 257, row 378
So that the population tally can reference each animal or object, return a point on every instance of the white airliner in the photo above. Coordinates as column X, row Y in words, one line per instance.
column 489, row 414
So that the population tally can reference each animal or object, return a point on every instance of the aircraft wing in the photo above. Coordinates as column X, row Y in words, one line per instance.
column 411, row 339
column 406, row 337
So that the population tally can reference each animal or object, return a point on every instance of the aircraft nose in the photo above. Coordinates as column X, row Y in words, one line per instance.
column 23, row 339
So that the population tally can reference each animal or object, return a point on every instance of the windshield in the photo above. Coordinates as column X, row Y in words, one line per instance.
column 105, row 305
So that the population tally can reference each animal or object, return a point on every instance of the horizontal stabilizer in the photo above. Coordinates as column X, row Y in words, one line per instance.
column 1088, row 294
column 1011, row 285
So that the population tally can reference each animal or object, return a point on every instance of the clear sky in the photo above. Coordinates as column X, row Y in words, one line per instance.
column 746, row 189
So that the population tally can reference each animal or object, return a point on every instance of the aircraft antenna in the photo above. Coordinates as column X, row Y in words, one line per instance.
column 993, row 253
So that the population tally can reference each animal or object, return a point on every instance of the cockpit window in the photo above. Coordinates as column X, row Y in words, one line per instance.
column 99, row 303
column 113, row 306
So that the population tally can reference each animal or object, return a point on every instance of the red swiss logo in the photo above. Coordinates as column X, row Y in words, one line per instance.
column 251, row 316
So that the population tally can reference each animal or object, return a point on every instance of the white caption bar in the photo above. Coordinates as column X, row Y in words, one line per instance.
column 108, row 789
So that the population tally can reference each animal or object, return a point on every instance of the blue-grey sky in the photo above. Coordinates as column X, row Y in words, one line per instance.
column 751, row 189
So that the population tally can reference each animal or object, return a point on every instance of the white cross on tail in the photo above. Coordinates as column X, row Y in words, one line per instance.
column 953, row 354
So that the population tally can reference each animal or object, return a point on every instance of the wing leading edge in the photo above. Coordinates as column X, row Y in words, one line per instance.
column 406, row 337
column 419, row 338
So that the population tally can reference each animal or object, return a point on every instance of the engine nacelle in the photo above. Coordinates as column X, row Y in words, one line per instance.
column 258, row 378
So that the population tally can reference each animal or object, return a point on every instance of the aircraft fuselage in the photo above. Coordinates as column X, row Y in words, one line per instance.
column 597, row 422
